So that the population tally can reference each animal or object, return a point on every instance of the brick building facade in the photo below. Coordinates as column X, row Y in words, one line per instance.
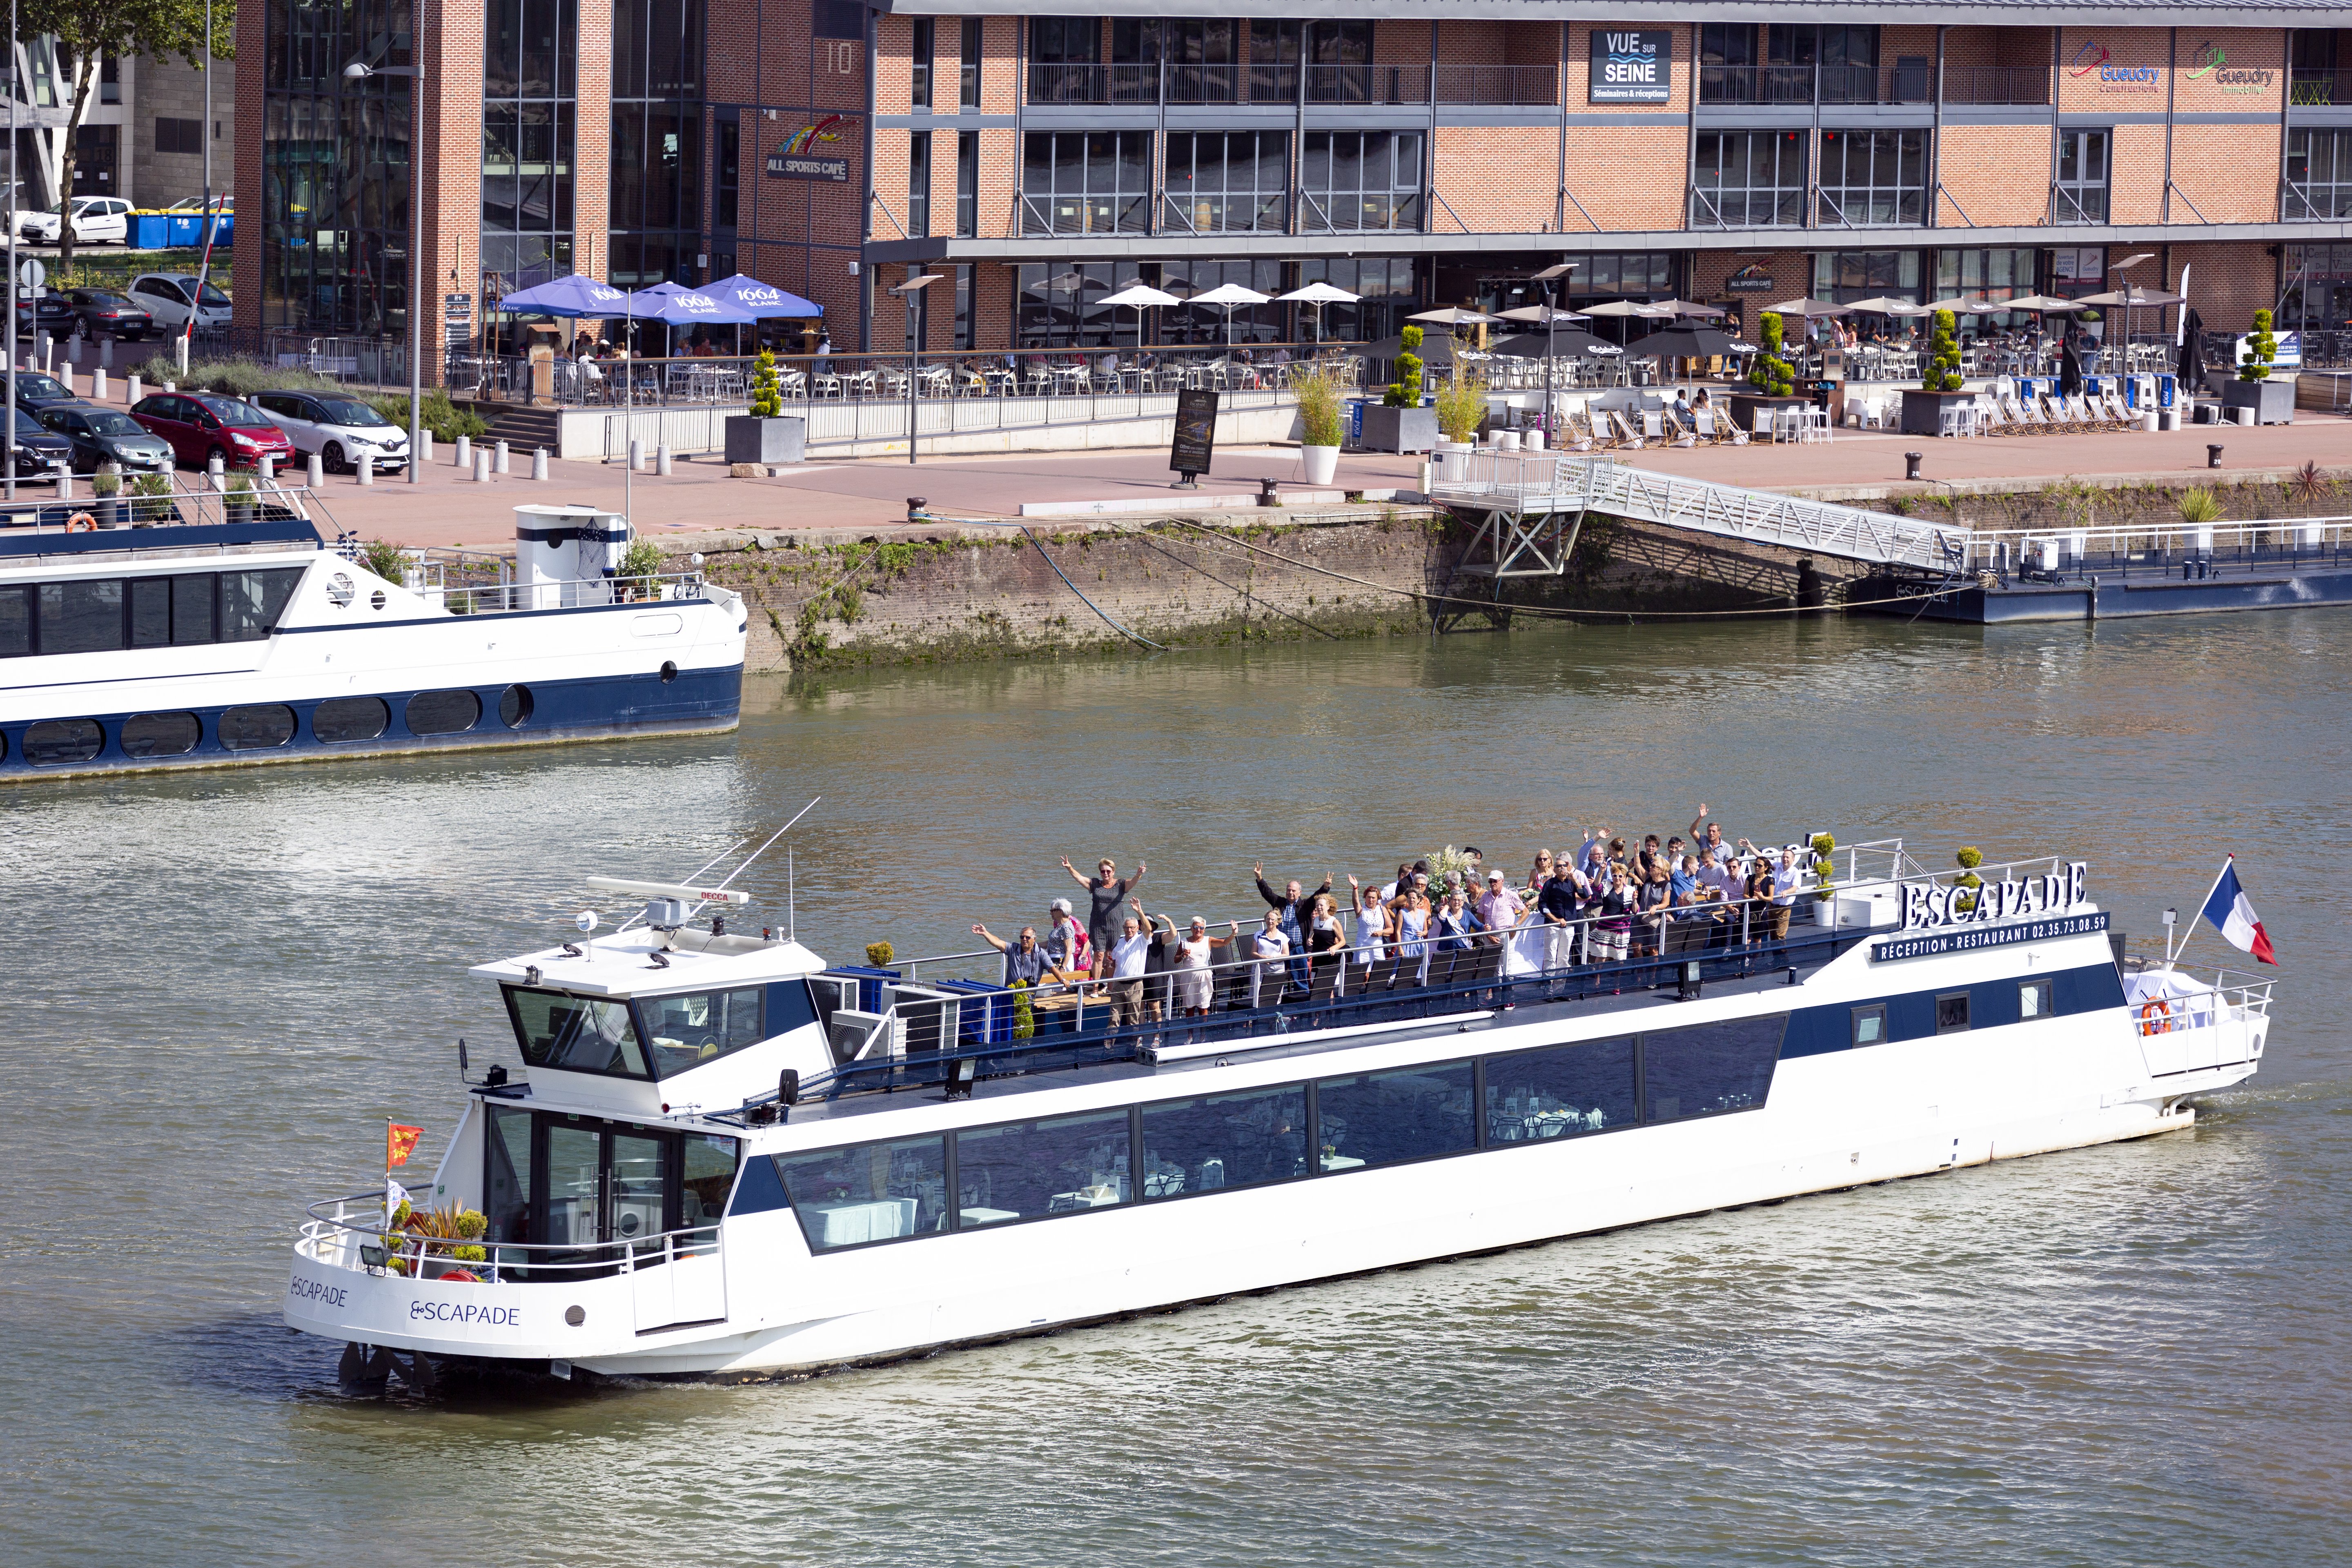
column 1413, row 151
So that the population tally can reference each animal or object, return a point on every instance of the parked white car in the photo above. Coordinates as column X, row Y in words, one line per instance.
column 95, row 218
column 165, row 295
column 344, row 431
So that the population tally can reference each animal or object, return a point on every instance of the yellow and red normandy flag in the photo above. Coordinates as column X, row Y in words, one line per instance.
column 399, row 1143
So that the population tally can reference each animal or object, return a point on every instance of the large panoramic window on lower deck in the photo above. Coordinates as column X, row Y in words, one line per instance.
column 1224, row 1141
column 1563, row 1092
column 575, row 1034
column 1384, row 1117
column 1710, row 1069
column 1059, row 1165
column 875, row 1192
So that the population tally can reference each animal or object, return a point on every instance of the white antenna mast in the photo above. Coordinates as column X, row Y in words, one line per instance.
column 763, row 849
column 792, row 910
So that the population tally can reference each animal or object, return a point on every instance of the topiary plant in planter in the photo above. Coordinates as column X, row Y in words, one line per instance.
column 1404, row 392
column 1024, row 1016
column 1943, row 372
column 2261, row 348
column 1824, row 868
column 878, row 955
column 1969, row 859
column 1768, row 373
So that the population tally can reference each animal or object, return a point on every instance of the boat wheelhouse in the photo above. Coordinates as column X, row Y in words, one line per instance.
column 216, row 631
column 719, row 1156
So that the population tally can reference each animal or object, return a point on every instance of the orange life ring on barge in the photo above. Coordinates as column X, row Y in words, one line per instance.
column 2156, row 1019
column 80, row 523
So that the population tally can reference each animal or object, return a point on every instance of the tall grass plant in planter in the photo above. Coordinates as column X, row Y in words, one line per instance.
column 1461, row 406
column 1318, row 391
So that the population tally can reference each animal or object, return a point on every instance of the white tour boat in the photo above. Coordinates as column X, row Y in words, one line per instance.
column 720, row 1157
column 225, row 632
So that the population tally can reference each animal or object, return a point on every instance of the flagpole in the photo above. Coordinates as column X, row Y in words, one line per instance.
column 2171, row 953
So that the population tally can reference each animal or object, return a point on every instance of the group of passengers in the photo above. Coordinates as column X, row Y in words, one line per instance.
column 1609, row 902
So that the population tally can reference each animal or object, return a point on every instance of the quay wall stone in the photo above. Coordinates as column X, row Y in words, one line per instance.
column 941, row 592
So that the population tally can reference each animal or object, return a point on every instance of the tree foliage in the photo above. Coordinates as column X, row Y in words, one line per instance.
column 88, row 31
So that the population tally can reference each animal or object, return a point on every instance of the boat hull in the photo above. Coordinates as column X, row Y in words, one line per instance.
column 1833, row 1120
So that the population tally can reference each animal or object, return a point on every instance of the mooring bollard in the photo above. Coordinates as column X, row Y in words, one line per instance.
column 538, row 463
column 1911, row 464
column 661, row 460
column 317, row 471
column 464, row 457
column 500, row 466
column 482, row 467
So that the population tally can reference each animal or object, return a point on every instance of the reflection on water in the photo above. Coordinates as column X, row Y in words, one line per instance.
column 221, row 984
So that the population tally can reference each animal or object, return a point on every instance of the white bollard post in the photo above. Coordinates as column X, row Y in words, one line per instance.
column 73, row 348
column 636, row 455
column 42, row 346
column 661, row 460
column 268, row 468
column 423, row 445
column 464, row 457
column 180, row 353
column 133, row 392
column 98, row 383
column 482, row 467
column 105, row 353
column 214, row 470
column 364, row 468
column 317, row 471
column 65, row 481
column 538, row 463
column 170, row 386
column 501, row 465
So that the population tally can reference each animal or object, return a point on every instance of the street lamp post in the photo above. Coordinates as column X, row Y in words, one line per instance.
column 1550, row 278
column 911, row 291
column 360, row 70
column 2124, row 266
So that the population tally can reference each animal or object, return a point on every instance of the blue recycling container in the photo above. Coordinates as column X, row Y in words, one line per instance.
column 150, row 231
column 869, row 983
column 183, row 227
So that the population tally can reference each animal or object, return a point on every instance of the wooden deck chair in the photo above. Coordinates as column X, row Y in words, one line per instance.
column 1579, row 432
column 2054, row 415
column 1628, row 434
column 2019, row 417
column 2120, row 411
column 2087, row 413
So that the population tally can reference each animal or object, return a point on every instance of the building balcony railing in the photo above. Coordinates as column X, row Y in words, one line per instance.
column 2318, row 89
column 1767, row 208
column 1367, row 84
column 1187, row 213
column 2314, row 203
column 1497, row 85
column 1870, row 207
column 1907, row 83
column 1117, row 214
column 1329, row 213
column 1996, row 85
column 1051, row 83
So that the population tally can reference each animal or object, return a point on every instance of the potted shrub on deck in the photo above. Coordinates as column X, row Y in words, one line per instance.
column 1939, row 387
column 764, row 437
column 1318, row 421
column 1398, row 422
column 2272, row 401
column 1771, row 382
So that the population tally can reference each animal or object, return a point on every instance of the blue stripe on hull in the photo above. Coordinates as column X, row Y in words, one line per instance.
column 600, row 708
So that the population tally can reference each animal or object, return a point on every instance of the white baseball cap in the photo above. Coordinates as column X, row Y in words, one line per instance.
column 1063, row 905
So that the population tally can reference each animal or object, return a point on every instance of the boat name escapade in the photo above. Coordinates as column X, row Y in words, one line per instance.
column 1927, row 905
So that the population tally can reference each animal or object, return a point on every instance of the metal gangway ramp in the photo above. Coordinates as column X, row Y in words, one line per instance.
column 1531, row 506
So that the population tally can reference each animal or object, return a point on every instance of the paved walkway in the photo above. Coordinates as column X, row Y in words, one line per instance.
column 857, row 495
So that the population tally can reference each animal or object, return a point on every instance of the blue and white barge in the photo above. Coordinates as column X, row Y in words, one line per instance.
column 227, row 635
column 715, row 1155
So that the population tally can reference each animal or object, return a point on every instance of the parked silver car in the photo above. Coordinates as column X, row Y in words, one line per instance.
column 344, row 431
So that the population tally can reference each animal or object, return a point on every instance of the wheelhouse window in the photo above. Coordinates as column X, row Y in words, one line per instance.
column 554, row 1179
column 700, row 1026
column 576, row 1033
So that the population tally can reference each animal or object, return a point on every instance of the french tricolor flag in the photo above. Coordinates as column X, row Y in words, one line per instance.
column 2226, row 907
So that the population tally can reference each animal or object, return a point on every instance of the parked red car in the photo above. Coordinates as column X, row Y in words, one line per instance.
column 199, row 424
